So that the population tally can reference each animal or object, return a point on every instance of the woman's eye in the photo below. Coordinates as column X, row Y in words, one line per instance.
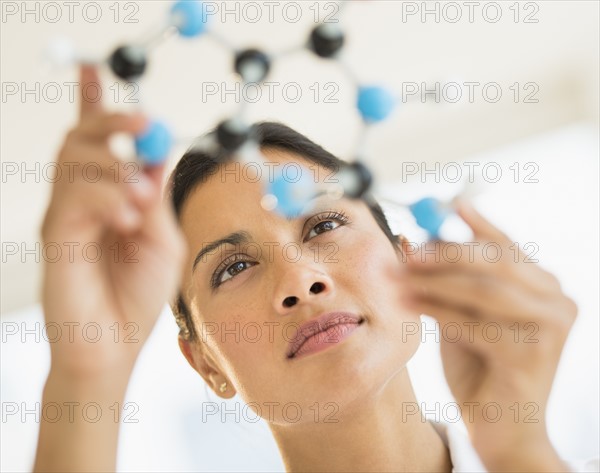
column 231, row 271
column 328, row 222
column 322, row 227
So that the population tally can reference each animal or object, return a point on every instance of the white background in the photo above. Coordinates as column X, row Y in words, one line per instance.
column 559, row 213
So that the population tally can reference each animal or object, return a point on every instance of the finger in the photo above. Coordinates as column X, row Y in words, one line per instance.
column 482, row 228
column 90, row 92
column 156, row 173
column 439, row 256
column 145, row 187
column 101, row 167
column 455, row 290
column 142, row 191
column 490, row 259
column 101, row 126
column 160, row 228
column 483, row 297
column 483, row 337
column 88, row 210
column 454, row 325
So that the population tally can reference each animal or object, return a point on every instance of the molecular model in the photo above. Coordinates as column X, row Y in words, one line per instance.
column 188, row 19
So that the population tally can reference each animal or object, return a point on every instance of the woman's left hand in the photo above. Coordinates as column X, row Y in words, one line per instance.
column 503, row 323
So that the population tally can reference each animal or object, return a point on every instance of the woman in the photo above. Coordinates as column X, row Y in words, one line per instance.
column 220, row 257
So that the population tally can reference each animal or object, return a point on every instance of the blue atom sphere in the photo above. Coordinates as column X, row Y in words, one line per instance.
column 375, row 103
column 194, row 20
column 292, row 193
column 430, row 214
column 154, row 144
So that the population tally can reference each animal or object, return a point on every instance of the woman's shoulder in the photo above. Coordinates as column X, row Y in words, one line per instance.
column 464, row 457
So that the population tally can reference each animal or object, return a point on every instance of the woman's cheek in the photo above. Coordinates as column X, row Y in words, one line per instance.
column 244, row 337
column 376, row 261
column 365, row 260
column 352, row 255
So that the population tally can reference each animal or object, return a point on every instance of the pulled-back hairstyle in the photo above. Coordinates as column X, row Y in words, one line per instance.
column 197, row 165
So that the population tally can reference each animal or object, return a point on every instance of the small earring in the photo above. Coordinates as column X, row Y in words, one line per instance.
column 223, row 387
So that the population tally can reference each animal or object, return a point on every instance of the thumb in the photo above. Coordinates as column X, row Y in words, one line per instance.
column 90, row 91
column 482, row 227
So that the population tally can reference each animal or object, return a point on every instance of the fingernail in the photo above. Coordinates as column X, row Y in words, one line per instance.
column 130, row 217
column 143, row 187
column 465, row 205
column 141, row 121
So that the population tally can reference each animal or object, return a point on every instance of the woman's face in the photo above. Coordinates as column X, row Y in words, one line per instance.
column 248, row 299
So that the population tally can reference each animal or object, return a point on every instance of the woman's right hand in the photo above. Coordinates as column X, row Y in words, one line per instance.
column 104, row 306
column 107, row 308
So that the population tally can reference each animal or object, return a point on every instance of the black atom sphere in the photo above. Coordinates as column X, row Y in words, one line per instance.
column 128, row 62
column 326, row 40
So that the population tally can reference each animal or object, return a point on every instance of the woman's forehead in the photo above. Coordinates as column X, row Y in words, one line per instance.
column 234, row 191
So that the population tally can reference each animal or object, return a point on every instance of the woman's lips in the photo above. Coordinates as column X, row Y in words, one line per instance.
column 323, row 332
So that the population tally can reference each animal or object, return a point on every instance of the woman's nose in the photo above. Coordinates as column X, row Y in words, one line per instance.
column 316, row 288
column 301, row 286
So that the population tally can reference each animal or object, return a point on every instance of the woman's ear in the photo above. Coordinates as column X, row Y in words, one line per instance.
column 206, row 367
column 403, row 247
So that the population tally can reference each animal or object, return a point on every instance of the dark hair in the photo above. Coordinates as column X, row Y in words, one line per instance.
column 196, row 165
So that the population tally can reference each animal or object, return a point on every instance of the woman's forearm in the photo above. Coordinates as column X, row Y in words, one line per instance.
column 524, row 451
column 79, row 424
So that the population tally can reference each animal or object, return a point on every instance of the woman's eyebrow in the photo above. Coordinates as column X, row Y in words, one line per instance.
column 235, row 238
